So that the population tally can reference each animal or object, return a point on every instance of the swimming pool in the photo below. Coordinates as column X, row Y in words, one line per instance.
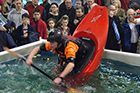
column 111, row 77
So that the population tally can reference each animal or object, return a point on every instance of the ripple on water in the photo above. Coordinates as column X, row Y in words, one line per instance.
column 111, row 77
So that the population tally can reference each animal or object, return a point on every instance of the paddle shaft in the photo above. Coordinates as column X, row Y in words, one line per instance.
column 24, row 59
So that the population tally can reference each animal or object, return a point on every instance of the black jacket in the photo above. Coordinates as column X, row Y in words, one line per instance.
column 112, row 42
column 32, row 35
column 6, row 40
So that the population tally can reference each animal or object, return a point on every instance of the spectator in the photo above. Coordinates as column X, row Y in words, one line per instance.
column 89, row 5
column 2, row 18
column 25, row 33
column 5, row 39
column 13, row 4
column 120, row 13
column 125, row 4
column 134, row 4
column 32, row 7
column 78, row 3
column 11, row 29
column 114, row 31
column 99, row 2
column 51, row 25
column 15, row 15
column 70, row 11
column 53, row 12
column 79, row 16
column 1, row 3
column 39, row 25
column 46, row 6
column 63, row 25
column 62, row 5
column 5, row 8
column 131, row 30
column 28, row 2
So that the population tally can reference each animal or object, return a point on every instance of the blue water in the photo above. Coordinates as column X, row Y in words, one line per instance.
column 111, row 77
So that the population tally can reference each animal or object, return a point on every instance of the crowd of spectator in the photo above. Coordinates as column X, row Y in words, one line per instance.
column 20, row 25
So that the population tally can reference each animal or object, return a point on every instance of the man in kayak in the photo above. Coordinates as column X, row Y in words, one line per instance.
column 71, row 51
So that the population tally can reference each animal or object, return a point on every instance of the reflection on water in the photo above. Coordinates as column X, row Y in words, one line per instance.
column 111, row 77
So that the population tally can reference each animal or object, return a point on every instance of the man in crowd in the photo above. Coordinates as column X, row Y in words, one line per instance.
column 15, row 15
column 114, row 32
column 30, row 8
column 89, row 5
column 131, row 30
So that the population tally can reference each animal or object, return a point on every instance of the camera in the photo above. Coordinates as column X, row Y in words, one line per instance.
column 137, row 14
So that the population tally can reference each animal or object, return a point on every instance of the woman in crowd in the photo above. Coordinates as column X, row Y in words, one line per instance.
column 63, row 25
column 53, row 12
column 120, row 13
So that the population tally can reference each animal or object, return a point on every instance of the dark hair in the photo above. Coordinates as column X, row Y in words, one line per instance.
column 80, row 7
column 37, row 10
column 25, row 15
column 51, row 19
column 54, row 4
column 55, row 36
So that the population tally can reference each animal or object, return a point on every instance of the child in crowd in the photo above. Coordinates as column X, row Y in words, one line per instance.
column 39, row 25
column 63, row 25
column 25, row 33
column 51, row 25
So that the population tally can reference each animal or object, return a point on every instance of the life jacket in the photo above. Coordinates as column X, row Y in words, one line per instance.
column 61, row 47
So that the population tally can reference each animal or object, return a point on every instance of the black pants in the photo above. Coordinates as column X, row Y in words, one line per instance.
column 133, row 47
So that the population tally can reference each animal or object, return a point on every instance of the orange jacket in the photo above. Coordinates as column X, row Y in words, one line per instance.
column 70, row 49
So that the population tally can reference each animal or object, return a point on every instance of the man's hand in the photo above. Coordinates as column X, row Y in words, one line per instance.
column 57, row 80
column 29, row 61
column 76, row 21
column 2, row 28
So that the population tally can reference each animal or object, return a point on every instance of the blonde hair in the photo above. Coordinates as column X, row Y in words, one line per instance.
column 130, row 10
column 117, row 3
